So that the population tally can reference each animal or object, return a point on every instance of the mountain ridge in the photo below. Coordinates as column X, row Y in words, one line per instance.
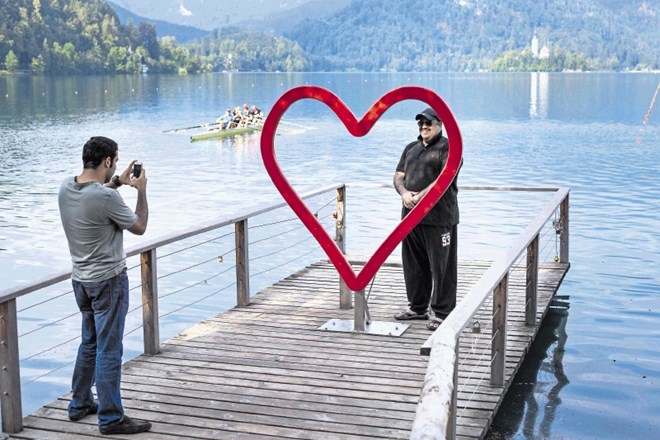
column 457, row 35
column 182, row 33
column 469, row 35
column 209, row 15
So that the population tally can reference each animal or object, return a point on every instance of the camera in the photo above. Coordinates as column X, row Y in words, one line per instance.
column 137, row 169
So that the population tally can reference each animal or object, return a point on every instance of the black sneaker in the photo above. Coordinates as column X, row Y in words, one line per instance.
column 126, row 426
column 91, row 409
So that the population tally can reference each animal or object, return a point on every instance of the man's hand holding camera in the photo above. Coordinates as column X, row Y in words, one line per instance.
column 138, row 177
column 133, row 175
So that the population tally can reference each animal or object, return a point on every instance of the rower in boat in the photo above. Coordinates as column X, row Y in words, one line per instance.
column 225, row 120
column 256, row 115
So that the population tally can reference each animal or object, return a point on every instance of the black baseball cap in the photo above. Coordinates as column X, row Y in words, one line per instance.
column 429, row 114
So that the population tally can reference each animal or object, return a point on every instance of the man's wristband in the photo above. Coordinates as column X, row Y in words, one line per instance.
column 115, row 181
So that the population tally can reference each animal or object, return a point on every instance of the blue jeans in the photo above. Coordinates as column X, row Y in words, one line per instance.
column 103, row 306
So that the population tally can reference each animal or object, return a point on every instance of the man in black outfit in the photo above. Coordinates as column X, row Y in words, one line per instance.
column 429, row 251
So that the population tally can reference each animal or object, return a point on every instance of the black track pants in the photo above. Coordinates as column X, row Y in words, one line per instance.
column 430, row 260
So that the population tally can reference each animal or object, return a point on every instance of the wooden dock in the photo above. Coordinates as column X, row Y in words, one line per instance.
column 266, row 371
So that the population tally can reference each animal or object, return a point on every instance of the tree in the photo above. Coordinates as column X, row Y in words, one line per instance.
column 147, row 39
column 11, row 61
column 117, row 60
column 38, row 65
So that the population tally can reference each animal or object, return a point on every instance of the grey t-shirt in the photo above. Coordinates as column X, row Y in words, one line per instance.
column 94, row 217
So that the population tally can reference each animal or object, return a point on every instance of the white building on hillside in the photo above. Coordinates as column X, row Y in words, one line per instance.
column 535, row 46
column 544, row 53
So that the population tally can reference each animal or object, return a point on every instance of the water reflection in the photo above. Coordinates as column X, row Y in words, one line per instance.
column 538, row 95
column 530, row 406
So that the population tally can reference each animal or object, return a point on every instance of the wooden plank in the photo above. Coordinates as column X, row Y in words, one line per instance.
column 246, row 391
column 260, row 398
column 166, row 426
column 173, row 416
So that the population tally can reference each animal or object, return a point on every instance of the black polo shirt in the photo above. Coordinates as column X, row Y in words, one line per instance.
column 421, row 166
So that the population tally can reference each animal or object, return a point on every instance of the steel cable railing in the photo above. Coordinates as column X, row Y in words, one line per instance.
column 471, row 342
column 49, row 324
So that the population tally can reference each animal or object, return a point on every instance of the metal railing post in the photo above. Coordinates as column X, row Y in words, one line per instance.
column 242, row 264
column 360, row 313
column 532, row 282
column 563, row 237
column 345, row 294
column 498, row 344
column 10, row 375
column 151, row 325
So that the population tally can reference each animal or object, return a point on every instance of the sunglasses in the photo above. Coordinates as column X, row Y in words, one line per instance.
column 424, row 123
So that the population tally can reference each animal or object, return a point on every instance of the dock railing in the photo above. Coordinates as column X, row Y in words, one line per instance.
column 436, row 413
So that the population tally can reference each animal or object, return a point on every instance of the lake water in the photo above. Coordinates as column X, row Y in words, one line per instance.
column 594, row 372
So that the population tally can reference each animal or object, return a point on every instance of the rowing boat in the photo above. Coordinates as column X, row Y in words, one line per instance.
column 216, row 133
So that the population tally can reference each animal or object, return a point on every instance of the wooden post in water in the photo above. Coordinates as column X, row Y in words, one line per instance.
column 10, row 376
column 532, row 281
column 345, row 294
column 242, row 264
column 563, row 237
column 151, row 325
column 498, row 344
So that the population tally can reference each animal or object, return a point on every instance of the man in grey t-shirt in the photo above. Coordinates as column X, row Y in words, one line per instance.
column 94, row 216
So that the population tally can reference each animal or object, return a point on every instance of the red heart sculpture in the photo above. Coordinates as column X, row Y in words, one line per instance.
column 360, row 128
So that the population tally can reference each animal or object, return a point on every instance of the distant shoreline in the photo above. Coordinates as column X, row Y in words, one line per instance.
column 7, row 73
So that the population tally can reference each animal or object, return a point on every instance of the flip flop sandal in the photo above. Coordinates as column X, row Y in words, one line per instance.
column 434, row 324
column 409, row 314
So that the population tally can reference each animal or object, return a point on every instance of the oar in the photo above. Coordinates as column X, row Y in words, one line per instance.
column 189, row 128
column 294, row 125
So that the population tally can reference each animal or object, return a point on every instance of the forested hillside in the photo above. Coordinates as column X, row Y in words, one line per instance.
column 236, row 49
column 457, row 35
column 85, row 36
column 70, row 35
